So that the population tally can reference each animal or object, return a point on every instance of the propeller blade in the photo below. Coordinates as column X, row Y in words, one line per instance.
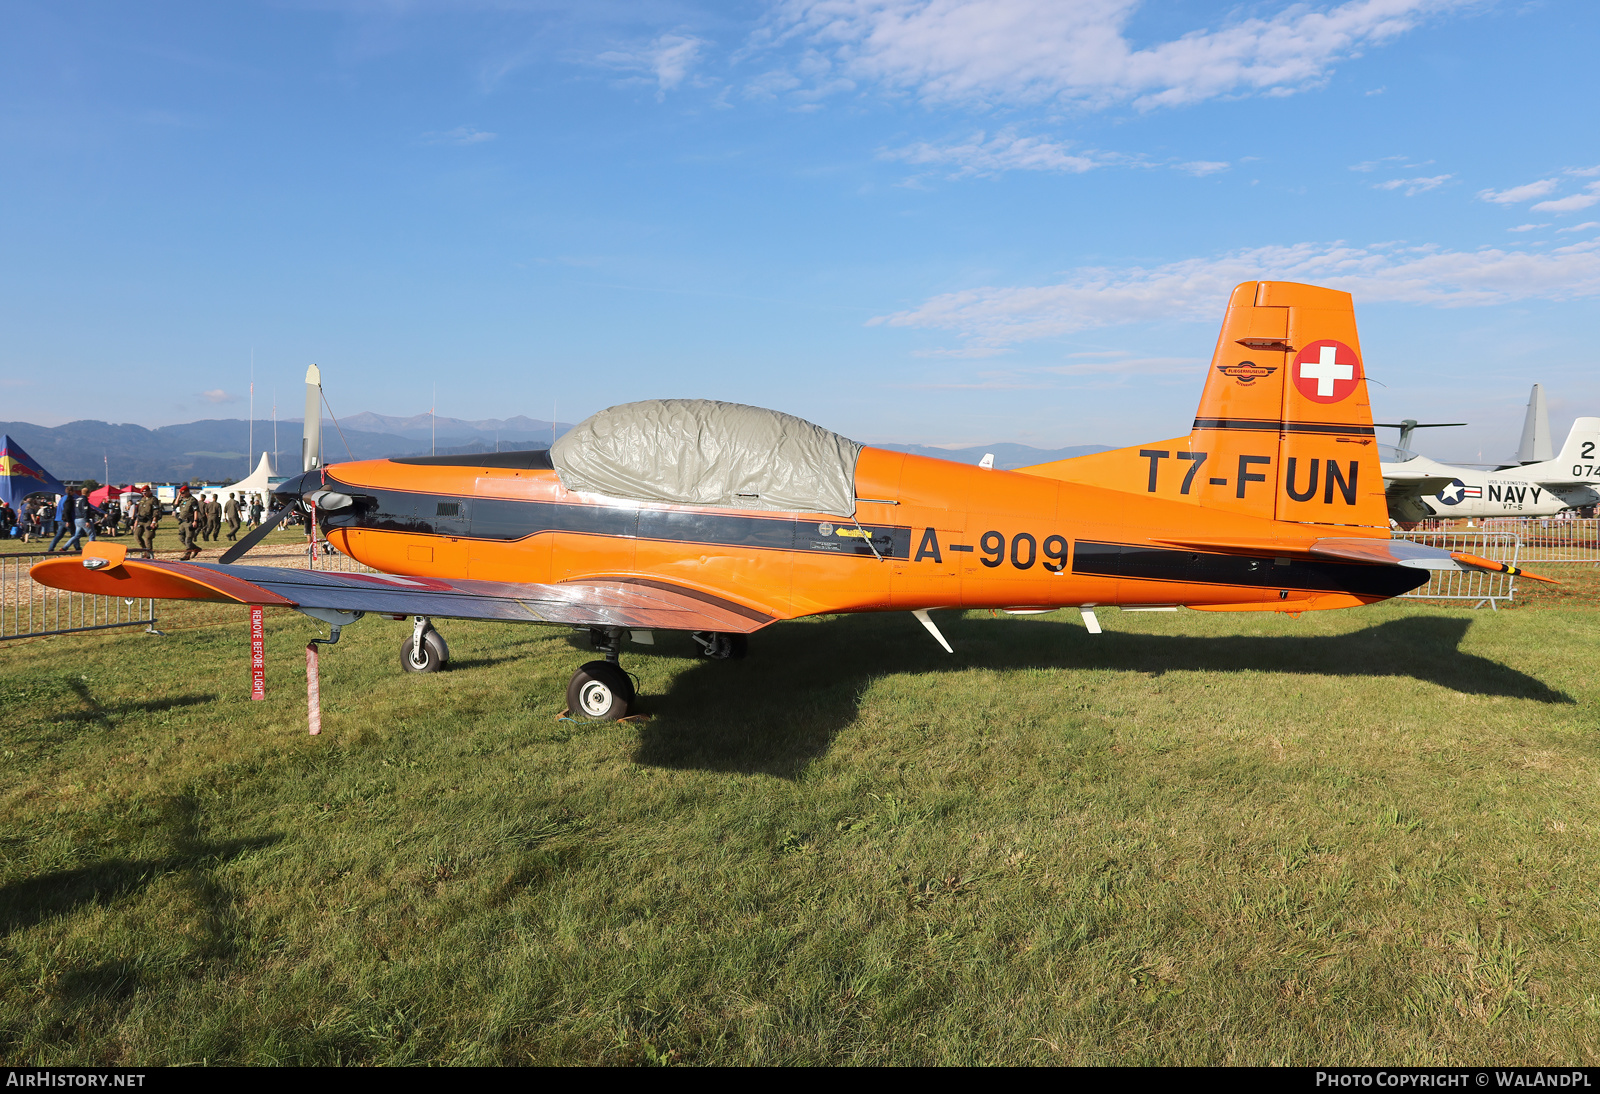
column 268, row 523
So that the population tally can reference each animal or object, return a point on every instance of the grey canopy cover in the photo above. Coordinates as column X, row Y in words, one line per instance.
column 700, row 452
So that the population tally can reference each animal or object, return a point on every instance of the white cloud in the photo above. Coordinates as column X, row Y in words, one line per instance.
column 1390, row 163
column 1196, row 289
column 218, row 396
column 461, row 134
column 668, row 59
column 1005, row 151
column 984, row 51
column 1128, row 366
column 1583, row 172
column 1527, row 227
column 1119, row 367
column 1413, row 186
column 985, row 155
column 1581, row 227
column 1525, row 192
column 1572, row 202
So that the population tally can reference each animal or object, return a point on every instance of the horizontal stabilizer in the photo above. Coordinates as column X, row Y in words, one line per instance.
column 1414, row 484
column 1371, row 550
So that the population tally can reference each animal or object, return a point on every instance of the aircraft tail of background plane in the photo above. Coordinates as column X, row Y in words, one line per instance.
column 1582, row 449
column 1284, row 427
column 1535, row 444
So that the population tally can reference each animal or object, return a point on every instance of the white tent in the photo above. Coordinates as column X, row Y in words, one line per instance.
column 260, row 481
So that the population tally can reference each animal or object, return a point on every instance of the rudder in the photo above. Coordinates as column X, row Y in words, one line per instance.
column 1284, row 427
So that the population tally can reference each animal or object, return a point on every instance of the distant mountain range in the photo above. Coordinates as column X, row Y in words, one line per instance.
column 1007, row 457
column 215, row 450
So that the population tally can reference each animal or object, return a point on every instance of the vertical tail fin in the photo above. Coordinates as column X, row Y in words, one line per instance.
column 1308, row 424
column 1535, row 445
column 1284, row 428
column 1582, row 447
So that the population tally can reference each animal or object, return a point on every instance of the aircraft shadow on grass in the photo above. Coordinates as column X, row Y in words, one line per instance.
column 780, row 708
column 29, row 901
column 98, row 713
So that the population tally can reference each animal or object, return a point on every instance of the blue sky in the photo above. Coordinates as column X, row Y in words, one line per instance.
column 933, row 221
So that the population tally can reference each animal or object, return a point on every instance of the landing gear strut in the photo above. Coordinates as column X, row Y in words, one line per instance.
column 425, row 650
column 721, row 647
column 601, row 691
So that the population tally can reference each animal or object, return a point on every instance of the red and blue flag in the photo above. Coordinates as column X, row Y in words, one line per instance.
column 21, row 475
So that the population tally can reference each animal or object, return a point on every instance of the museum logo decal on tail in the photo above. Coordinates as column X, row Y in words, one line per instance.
column 1247, row 372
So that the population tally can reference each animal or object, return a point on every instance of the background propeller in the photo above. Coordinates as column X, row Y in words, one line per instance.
column 288, row 496
column 268, row 523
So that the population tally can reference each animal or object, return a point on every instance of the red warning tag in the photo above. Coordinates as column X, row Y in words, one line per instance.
column 258, row 655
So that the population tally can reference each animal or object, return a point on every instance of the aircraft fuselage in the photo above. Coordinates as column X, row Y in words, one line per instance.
column 1505, row 493
column 931, row 534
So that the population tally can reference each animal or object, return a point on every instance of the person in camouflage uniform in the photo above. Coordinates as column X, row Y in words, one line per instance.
column 188, row 523
column 213, row 519
column 146, row 518
column 231, row 512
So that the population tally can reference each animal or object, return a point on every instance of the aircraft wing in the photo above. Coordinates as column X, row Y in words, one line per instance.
column 618, row 602
column 1409, row 484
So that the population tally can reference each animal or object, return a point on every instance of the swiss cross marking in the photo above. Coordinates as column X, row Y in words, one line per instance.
column 1326, row 371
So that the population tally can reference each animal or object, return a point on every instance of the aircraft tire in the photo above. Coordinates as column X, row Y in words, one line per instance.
column 435, row 654
column 600, row 692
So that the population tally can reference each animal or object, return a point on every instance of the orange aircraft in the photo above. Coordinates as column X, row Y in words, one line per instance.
column 720, row 520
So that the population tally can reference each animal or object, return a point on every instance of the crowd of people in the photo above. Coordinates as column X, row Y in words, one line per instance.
column 201, row 518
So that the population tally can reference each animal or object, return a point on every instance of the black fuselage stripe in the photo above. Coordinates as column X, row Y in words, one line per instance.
column 464, row 516
column 704, row 598
column 505, row 520
column 1273, row 425
column 1145, row 563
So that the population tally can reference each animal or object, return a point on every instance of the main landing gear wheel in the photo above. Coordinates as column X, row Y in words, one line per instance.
column 600, row 691
column 429, row 655
column 721, row 647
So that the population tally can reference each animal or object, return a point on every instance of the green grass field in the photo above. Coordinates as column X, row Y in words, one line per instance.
column 1357, row 837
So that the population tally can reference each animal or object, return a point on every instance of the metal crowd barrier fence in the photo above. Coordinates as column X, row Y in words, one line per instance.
column 1473, row 585
column 324, row 556
column 29, row 609
column 1546, row 540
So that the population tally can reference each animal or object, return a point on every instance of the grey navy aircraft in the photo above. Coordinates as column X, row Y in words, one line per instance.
column 1539, row 484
